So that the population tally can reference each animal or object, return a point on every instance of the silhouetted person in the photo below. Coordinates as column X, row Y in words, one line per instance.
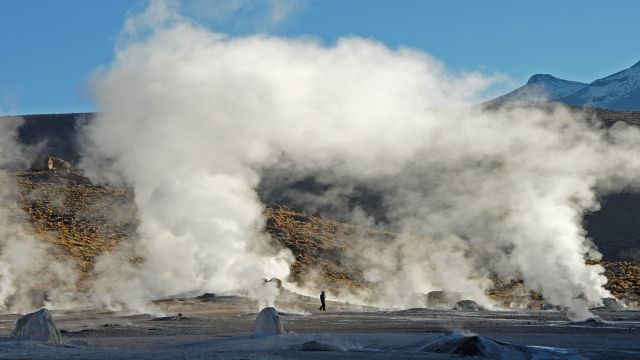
column 322, row 307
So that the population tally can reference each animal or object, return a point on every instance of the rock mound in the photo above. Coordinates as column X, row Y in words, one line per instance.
column 37, row 326
column 313, row 346
column 207, row 297
column 268, row 323
column 592, row 321
column 467, row 305
column 477, row 346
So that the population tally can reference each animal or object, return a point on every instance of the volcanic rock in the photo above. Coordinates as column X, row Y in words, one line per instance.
column 37, row 326
column 612, row 304
column 592, row 321
column 268, row 323
column 207, row 297
column 313, row 346
column 57, row 165
column 467, row 305
column 477, row 346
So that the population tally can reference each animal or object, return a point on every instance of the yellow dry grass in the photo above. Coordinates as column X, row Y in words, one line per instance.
column 84, row 220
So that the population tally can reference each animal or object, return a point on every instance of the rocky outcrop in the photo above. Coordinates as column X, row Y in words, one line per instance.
column 58, row 166
column 37, row 326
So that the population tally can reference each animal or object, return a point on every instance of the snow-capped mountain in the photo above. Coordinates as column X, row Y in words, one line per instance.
column 620, row 91
column 539, row 89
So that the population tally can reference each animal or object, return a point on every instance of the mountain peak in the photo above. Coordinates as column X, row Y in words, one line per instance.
column 619, row 91
column 541, row 78
column 540, row 88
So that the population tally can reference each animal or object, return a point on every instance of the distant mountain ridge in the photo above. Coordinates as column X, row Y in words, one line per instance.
column 540, row 88
column 619, row 91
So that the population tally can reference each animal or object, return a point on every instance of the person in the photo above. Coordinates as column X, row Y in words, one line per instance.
column 322, row 307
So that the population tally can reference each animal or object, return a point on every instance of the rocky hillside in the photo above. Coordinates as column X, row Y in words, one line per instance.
column 84, row 220
column 81, row 218
column 57, row 135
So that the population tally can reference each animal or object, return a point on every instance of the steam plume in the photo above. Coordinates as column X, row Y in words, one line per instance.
column 31, row 275
column 193, row 120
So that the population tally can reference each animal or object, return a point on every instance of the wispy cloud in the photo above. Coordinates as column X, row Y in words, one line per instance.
column 248, row 15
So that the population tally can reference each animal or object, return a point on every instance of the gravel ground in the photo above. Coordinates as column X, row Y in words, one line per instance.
column 223, row 328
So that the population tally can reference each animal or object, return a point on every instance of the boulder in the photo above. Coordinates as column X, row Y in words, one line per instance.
column 467, row 305
column 58, row 166
column 61, row 168
column 37, row 326
column 268, row 323
column 612, row 304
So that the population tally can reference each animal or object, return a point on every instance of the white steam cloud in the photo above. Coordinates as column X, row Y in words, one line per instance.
column 193, row 119
column 32, row 274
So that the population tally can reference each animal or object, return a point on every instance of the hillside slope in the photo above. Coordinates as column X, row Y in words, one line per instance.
column 57, row 136
column 84, row 220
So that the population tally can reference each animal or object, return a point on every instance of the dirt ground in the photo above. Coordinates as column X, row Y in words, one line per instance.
column 222, row 327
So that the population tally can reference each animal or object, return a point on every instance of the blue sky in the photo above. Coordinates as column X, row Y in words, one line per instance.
column 50, row 48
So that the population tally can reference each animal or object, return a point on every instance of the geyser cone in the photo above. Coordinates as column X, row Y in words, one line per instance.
column 37, row 326
column 478, row 346
column 268, row 323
